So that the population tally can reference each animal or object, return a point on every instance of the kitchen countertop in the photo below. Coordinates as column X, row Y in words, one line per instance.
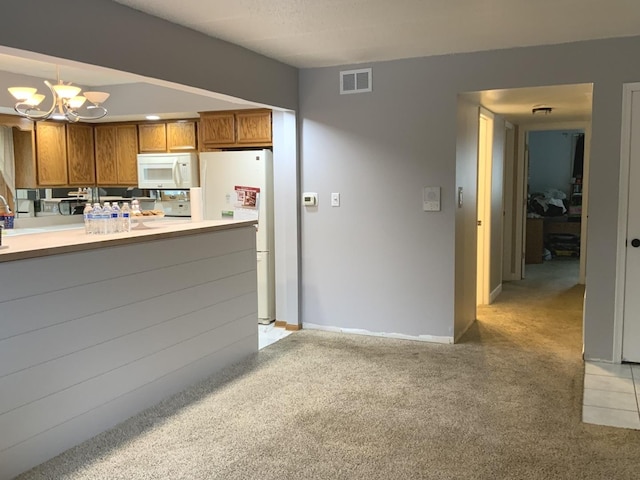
column 16, row 246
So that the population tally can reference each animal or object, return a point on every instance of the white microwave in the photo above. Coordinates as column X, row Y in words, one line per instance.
column 168, row 170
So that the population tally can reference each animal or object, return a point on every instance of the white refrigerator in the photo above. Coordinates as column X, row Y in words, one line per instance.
column 239, row 185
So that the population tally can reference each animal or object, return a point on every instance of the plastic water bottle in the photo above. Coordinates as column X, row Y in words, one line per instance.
column 106, row 218
column 96, row 219
column 87, row 213
column 126, row 218
column 116, row 218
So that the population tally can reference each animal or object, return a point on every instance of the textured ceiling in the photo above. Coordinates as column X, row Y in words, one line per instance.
column 316, row 33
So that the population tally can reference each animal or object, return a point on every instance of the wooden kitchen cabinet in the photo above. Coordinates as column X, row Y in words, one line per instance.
column 51, row 153
column 238, row 128
column 152, row 137
column 127, row 155
column 217, row 128
column 181, row 136
column 80, row 154
column 116, row 155
column 253, row 127
column 25, row 160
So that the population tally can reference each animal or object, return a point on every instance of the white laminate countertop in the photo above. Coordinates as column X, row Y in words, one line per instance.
column 17, row 246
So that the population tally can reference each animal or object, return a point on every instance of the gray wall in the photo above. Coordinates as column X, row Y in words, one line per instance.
column 105, row 33
column 466, row 215
column 380, row 263
column 551, row 160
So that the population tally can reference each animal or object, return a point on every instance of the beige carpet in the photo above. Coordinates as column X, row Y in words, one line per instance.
column 505, row 403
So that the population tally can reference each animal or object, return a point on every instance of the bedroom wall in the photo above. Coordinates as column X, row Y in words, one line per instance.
column 551, row 160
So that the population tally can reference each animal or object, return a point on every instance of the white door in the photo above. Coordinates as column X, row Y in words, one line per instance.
column 631, row 326
column 485, row 147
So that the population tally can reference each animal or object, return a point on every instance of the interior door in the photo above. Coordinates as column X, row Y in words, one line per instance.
column 485, row 146
column 631, row 328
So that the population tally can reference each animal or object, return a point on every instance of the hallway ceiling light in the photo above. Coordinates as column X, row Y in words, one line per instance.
column 67, row 100
column 541, row 109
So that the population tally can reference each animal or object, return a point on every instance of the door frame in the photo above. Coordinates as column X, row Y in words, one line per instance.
column 522, row 182
column 623, row 211
column 509, row 204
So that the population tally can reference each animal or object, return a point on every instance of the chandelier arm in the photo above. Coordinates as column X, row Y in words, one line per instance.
column 24, row 109
column 72, row 114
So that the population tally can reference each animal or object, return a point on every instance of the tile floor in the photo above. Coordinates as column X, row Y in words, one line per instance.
column 611, row 395
column 268, row 334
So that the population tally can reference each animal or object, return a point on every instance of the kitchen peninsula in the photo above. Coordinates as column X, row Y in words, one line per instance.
column 96, row 328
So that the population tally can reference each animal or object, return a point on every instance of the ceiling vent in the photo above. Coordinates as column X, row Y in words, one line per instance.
column 355, row 81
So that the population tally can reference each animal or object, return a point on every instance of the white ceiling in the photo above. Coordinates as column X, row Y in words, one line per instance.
column 316, row 33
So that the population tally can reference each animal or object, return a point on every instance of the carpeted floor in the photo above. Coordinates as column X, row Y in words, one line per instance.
column 505, row 403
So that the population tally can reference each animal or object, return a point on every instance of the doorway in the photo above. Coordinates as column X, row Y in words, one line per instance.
column 554, row 184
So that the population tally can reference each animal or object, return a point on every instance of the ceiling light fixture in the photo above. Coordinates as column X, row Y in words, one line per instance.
column 67, row 101
column 541, row 109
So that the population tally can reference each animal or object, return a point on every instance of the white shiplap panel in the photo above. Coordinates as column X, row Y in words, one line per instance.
column 47, row 378
column 63, row 406
column 40, row 311
column 33, row 348
column 56, row 272
column 50, row 443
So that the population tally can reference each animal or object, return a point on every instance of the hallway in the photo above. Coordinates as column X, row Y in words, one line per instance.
column 546, row 310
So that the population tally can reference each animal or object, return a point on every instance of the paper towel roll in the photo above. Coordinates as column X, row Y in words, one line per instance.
column 195, row 195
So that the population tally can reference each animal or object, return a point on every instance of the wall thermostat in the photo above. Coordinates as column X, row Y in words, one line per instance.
column 431, row 199
column 310, row 199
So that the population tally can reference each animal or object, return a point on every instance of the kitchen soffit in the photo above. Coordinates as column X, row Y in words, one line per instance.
column 133, row 96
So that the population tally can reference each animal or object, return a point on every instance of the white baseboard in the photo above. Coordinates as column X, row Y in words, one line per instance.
column 497, row 291
column 358, row 331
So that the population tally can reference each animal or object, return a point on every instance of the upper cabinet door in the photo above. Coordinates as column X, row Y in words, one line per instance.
column 106, row 165
column 116, row 155
column 234, row 129
column 254, row 127
column 181, row 136
column 152, row 137
column 80, row 154
column 25, row 160
column 127, row 155
column 218, row 128
column 51, row 153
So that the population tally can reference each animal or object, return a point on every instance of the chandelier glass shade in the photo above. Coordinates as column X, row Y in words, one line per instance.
column 67, row 100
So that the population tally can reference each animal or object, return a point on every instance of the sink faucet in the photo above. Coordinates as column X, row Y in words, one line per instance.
column 4, row 206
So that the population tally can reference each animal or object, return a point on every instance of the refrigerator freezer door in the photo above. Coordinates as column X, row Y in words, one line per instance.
column 266, row 303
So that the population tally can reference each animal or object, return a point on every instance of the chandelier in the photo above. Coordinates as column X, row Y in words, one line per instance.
column 67, row 100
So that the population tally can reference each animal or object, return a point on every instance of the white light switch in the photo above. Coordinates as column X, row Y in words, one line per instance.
column 431, row 199
column 335, row 199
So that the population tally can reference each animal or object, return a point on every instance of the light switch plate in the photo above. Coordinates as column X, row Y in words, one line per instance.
column 335, row 199
column 431, row 199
